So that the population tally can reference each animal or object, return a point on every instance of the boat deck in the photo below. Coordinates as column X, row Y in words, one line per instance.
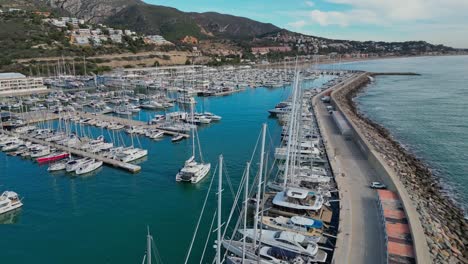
column 111, row 162
column 41, row 116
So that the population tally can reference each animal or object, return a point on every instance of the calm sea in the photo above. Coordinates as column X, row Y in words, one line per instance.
column 103, row 218
column 428, row 114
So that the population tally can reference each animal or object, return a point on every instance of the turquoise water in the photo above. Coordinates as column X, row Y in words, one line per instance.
column 427, row 113
column 102, row 218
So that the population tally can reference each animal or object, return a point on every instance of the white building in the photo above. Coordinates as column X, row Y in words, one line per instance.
column 82, row 40
column 157, row 39
column 116, row 38
column 17, row 84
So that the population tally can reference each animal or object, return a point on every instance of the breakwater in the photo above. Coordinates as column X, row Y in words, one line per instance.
column 444, row 225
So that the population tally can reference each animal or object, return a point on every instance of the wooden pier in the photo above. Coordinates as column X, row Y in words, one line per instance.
column 111, row 162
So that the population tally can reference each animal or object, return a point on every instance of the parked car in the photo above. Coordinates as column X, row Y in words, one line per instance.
column 378, row 185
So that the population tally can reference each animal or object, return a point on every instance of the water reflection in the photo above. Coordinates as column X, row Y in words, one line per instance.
column 11, row 217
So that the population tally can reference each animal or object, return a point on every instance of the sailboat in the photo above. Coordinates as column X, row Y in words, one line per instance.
column 193, row 171
column 147, row 258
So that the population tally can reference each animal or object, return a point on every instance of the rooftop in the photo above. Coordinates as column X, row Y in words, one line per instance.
column 11, row 75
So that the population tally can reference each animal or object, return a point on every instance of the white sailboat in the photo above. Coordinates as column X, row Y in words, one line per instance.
column 193, row 171
column 88, row 167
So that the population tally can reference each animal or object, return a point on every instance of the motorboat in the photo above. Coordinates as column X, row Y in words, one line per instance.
column 290, row 241
column 186, row 100
column 157, row 135
column 131, row 154
column 13, row 145
column 57, row 166
column 9, row 201
column 53, row 157
column 250, row 253
column 73, row 165
column 212, row 116
column 88, row 167
column 177, row 138
column 40, row 152
column 298, row 200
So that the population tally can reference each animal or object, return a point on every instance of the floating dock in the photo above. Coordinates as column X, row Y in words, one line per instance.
column 111, row 162
column 43, row 116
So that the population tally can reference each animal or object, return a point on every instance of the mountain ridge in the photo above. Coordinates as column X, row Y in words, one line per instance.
column 175, row 25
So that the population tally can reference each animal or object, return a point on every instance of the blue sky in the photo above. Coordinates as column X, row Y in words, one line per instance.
column 435, row 21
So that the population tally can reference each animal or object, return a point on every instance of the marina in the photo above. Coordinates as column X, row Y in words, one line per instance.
column 168, row 166
column 293, row 194
column 247, row 132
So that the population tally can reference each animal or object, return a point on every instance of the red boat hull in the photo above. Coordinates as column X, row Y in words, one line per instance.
column 52, row 158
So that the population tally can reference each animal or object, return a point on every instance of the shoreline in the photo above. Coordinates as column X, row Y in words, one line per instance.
column 443, row 220
column 349, row 60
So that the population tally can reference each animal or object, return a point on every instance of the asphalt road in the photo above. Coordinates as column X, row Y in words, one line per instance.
column 362, row 237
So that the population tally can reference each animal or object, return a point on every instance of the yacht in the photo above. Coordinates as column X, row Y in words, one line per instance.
column 303, row 225
column 177, row 138
column 157, row 135
column 251, row 254
column 40, row 152
column 88, row 167
column 57, row 166
column 13, row 145
column 53, row 157
column 289, row 241
column 131, row 154
column 186, row 100
column 212, row 116
column 151, row 105
column 193, row 171
column 268, row 255
column 73, row 165
column 298, row 200
column 9, row 201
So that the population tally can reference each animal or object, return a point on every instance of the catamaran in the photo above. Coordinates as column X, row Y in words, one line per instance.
column 193, row 171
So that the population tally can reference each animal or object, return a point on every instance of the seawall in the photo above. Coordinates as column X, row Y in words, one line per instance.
column 437, row 225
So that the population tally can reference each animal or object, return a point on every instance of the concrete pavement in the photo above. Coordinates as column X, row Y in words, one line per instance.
column 361, row 238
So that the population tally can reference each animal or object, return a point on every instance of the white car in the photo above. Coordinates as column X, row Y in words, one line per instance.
column 378, row 185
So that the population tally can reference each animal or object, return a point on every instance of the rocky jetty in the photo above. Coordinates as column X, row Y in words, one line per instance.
column 443, row 221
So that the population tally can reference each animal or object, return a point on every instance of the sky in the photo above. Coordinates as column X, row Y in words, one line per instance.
column 436, row 21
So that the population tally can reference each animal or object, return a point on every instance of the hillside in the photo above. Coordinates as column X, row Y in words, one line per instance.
column 152, row 19
column 232, row 27
column 92, row 10
column 216, row 34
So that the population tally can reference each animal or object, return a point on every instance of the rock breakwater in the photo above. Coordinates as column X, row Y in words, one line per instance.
column 443, row 222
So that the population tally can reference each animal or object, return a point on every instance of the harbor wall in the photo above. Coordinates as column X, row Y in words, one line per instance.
column 388, row 175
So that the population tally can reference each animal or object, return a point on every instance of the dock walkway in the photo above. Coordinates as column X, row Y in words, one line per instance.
column 43, row 116
column 111, row 162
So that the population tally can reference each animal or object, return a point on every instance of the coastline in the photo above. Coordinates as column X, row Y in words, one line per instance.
column 443, row 221
column 308, row 63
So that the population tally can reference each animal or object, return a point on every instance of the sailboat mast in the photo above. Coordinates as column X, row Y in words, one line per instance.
column 246, row 206
column 259, row 186
column 290, row 130
column 193, row 129
column 220, row 183
column 148, row 248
